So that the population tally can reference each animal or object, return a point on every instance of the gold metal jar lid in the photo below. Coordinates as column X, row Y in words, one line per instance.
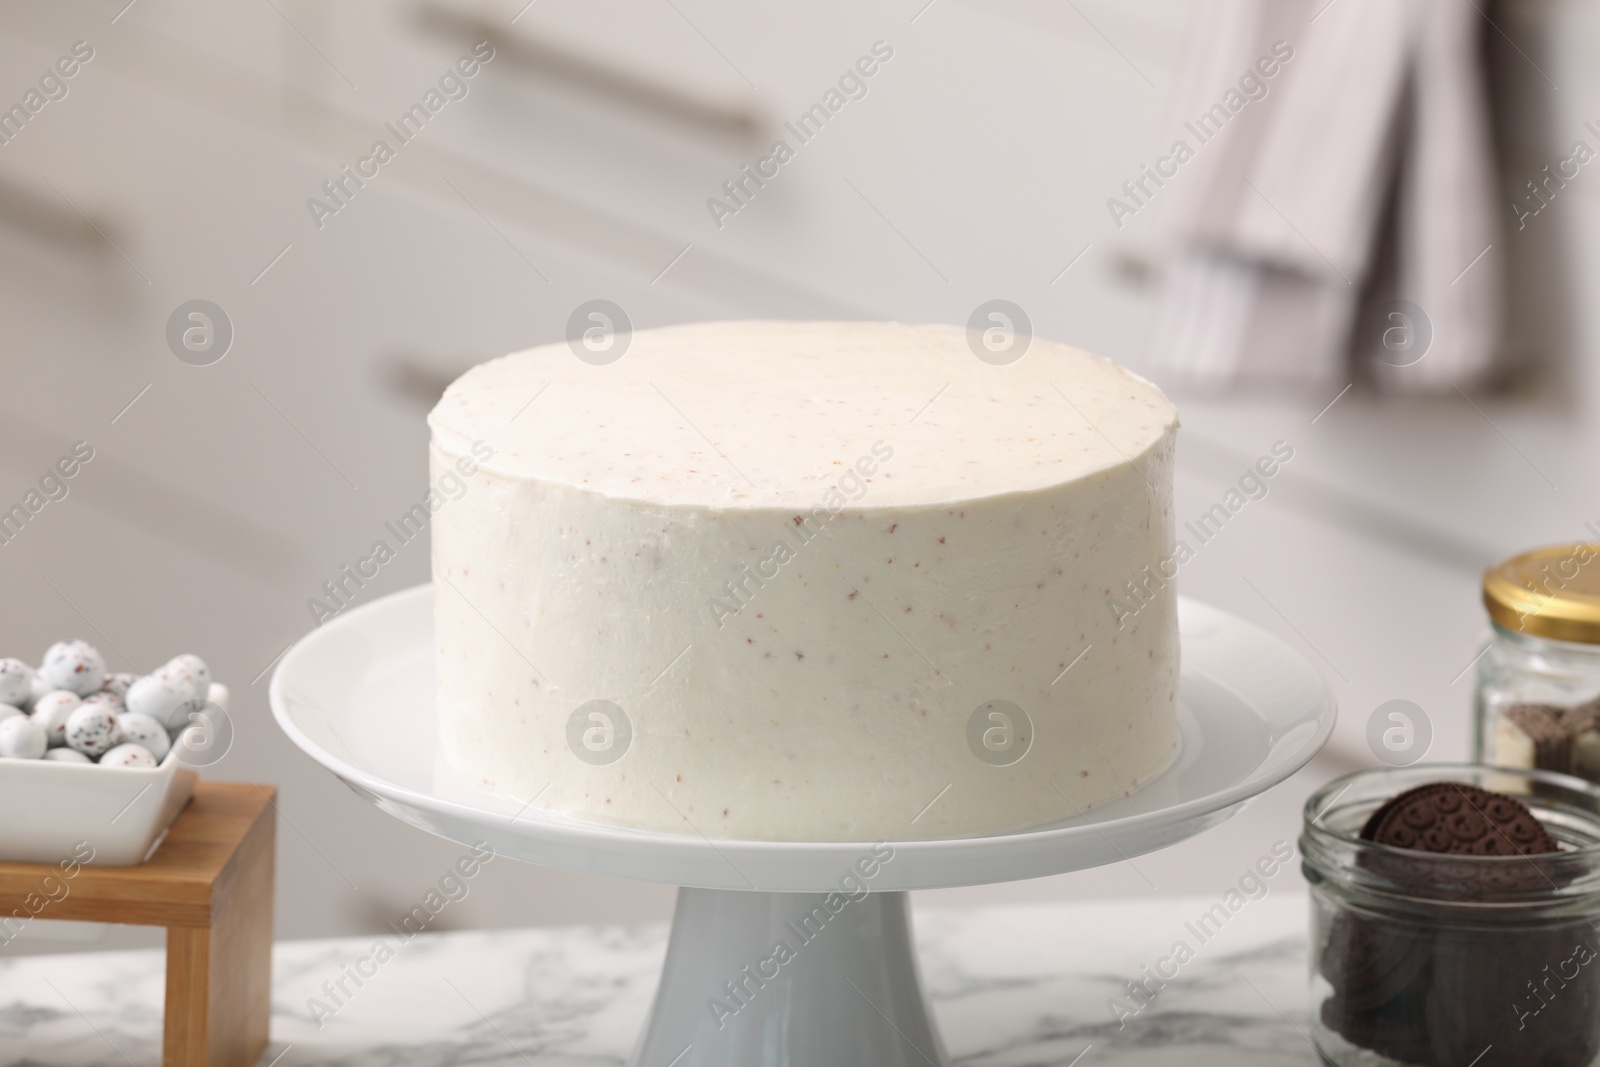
column 1550, row 592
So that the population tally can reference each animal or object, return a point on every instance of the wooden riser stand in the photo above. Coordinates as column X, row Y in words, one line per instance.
column 210, row 884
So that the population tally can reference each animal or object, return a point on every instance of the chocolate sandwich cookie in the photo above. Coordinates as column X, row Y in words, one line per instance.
column 1430, row 993
column 1378, row 969
column 1532, row 994
column 1371, row 960
column 1370, row 827
column 1449, row 819
column 1459, row 820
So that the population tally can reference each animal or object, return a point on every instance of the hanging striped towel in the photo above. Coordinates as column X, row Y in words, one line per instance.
column 1335, row 226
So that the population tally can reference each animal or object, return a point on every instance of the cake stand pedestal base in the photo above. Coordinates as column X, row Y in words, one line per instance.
column 770, row 964
column 790, row 980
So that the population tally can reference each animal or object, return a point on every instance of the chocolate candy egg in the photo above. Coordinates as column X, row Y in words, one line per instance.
column 21, row 738
column 117, row 684
column 108, row 699
column 16, row 682
column 92, row 729
column 51, row 712
column 75, row 666
column 192, row 669
column 143, row 730
column 162, row 696
column 128, row 755
column 66, row 755
column 38, row 688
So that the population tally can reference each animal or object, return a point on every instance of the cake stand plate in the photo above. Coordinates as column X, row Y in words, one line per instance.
column 777, row 956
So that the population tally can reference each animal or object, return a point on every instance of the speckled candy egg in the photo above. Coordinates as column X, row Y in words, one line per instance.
column 118, row 683
column 143, row 730
column 93, row 730
column 192, row 669
column 128, row 755
column 16, row 682
column 52, row 711
column 21, row 738
column 108, row 699
column 66, row 755
column 163, row 696
column 76, row 666
column 38, row 689
column 9, row 712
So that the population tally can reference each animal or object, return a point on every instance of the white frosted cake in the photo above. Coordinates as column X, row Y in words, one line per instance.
column 805, row 581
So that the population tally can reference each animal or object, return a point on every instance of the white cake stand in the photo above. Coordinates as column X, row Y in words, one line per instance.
column 357, row 695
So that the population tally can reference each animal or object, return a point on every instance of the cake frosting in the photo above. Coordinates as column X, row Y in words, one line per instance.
column 805, row 581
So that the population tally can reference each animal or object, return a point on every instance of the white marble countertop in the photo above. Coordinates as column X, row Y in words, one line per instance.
column 1018, row 985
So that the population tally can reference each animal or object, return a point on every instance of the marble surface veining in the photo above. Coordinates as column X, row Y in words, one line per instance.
column 1020, row 986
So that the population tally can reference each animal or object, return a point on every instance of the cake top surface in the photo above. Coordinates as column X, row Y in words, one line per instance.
column 758, row 414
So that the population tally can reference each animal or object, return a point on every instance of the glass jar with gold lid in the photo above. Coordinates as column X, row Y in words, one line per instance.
column 1538, row 701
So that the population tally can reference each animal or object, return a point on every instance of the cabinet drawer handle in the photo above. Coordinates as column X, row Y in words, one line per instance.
column 601, row 80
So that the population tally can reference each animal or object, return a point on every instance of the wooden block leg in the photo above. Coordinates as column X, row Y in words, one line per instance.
column 219, row 978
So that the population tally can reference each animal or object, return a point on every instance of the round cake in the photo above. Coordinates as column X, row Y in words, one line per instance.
column 805, row 581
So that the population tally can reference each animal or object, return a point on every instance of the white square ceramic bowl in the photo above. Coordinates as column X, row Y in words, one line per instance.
column 49, row 810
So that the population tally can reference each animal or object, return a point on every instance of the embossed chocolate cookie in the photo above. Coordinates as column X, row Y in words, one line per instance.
column 1373, row 960
column 1438, row 994
column 1455, row 819
column 1532, row 994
